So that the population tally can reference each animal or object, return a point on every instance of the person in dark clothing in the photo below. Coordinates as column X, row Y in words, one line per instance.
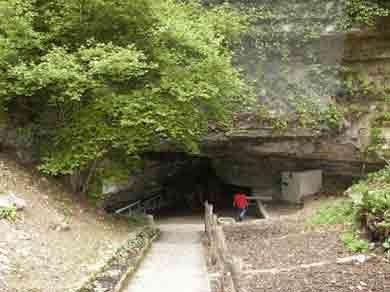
column 241, row 204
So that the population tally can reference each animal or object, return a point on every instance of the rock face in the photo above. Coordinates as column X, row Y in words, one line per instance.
column 280, row 53
column 253, row 157
column 257, row 163
column 366, row 51
column 256, row 157
column 254, row 160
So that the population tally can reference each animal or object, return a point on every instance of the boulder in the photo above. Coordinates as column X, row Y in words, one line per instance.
column 11, row 200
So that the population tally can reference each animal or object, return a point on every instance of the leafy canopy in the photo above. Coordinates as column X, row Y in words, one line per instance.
column 115, row 78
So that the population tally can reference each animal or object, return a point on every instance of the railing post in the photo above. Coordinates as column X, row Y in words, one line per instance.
column 219, row 252
column 236, row 271
column 206, row 217
column 150, row 220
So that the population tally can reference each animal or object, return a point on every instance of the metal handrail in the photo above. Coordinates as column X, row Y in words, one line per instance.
column 152, row 203
column 128, row 207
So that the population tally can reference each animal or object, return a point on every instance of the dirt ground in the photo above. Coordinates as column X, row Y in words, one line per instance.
column 57, row 241
column 285, row 254
column 295, row 249
column 372, row 276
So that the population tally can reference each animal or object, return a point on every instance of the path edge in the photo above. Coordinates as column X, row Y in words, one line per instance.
column 129, row 255
column 133, row 269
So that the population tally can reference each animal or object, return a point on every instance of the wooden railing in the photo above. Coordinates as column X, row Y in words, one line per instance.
column 230, row 266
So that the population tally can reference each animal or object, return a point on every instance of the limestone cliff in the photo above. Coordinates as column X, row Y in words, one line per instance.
column 253, row 153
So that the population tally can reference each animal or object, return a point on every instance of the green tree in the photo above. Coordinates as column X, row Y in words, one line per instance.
column 111, row 79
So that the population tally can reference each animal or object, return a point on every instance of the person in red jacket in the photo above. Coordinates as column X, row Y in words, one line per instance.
column 241, row 203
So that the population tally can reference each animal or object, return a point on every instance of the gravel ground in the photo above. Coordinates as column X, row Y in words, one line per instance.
column 292, row 250
column 372, row 276
column 283, row 254
column 253, row 231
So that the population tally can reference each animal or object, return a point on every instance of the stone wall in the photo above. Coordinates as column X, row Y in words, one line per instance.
column 363, row 50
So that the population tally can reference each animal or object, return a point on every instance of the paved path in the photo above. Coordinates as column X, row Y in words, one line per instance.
column 175, row 263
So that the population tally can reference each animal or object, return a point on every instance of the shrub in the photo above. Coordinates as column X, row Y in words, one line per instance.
column 386, row 244
column 337, row 212
column 371, row 202
column 332, row 116
column 353, row 242
column 342, row 211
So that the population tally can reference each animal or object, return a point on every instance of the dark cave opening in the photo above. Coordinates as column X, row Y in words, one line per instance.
column 184, row 183
column 196, row 183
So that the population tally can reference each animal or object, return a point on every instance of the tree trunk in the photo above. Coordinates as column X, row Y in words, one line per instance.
column 91, row 173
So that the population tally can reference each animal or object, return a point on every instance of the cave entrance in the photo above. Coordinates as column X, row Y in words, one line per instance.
column 195, row 183
column 177, row 185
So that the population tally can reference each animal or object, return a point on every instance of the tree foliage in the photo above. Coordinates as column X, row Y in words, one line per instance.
column 115, row 78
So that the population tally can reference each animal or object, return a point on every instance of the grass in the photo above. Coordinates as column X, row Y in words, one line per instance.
column 337, row 212
column 353, row 242
column 341, row 212
column 8, row 213
column 386, row 245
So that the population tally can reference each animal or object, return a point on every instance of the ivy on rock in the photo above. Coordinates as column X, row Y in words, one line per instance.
column 281, row 53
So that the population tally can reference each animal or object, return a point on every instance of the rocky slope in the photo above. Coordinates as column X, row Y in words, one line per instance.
column 56, row 242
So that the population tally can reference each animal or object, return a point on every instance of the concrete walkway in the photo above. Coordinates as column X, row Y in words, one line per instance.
column 175, row 263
